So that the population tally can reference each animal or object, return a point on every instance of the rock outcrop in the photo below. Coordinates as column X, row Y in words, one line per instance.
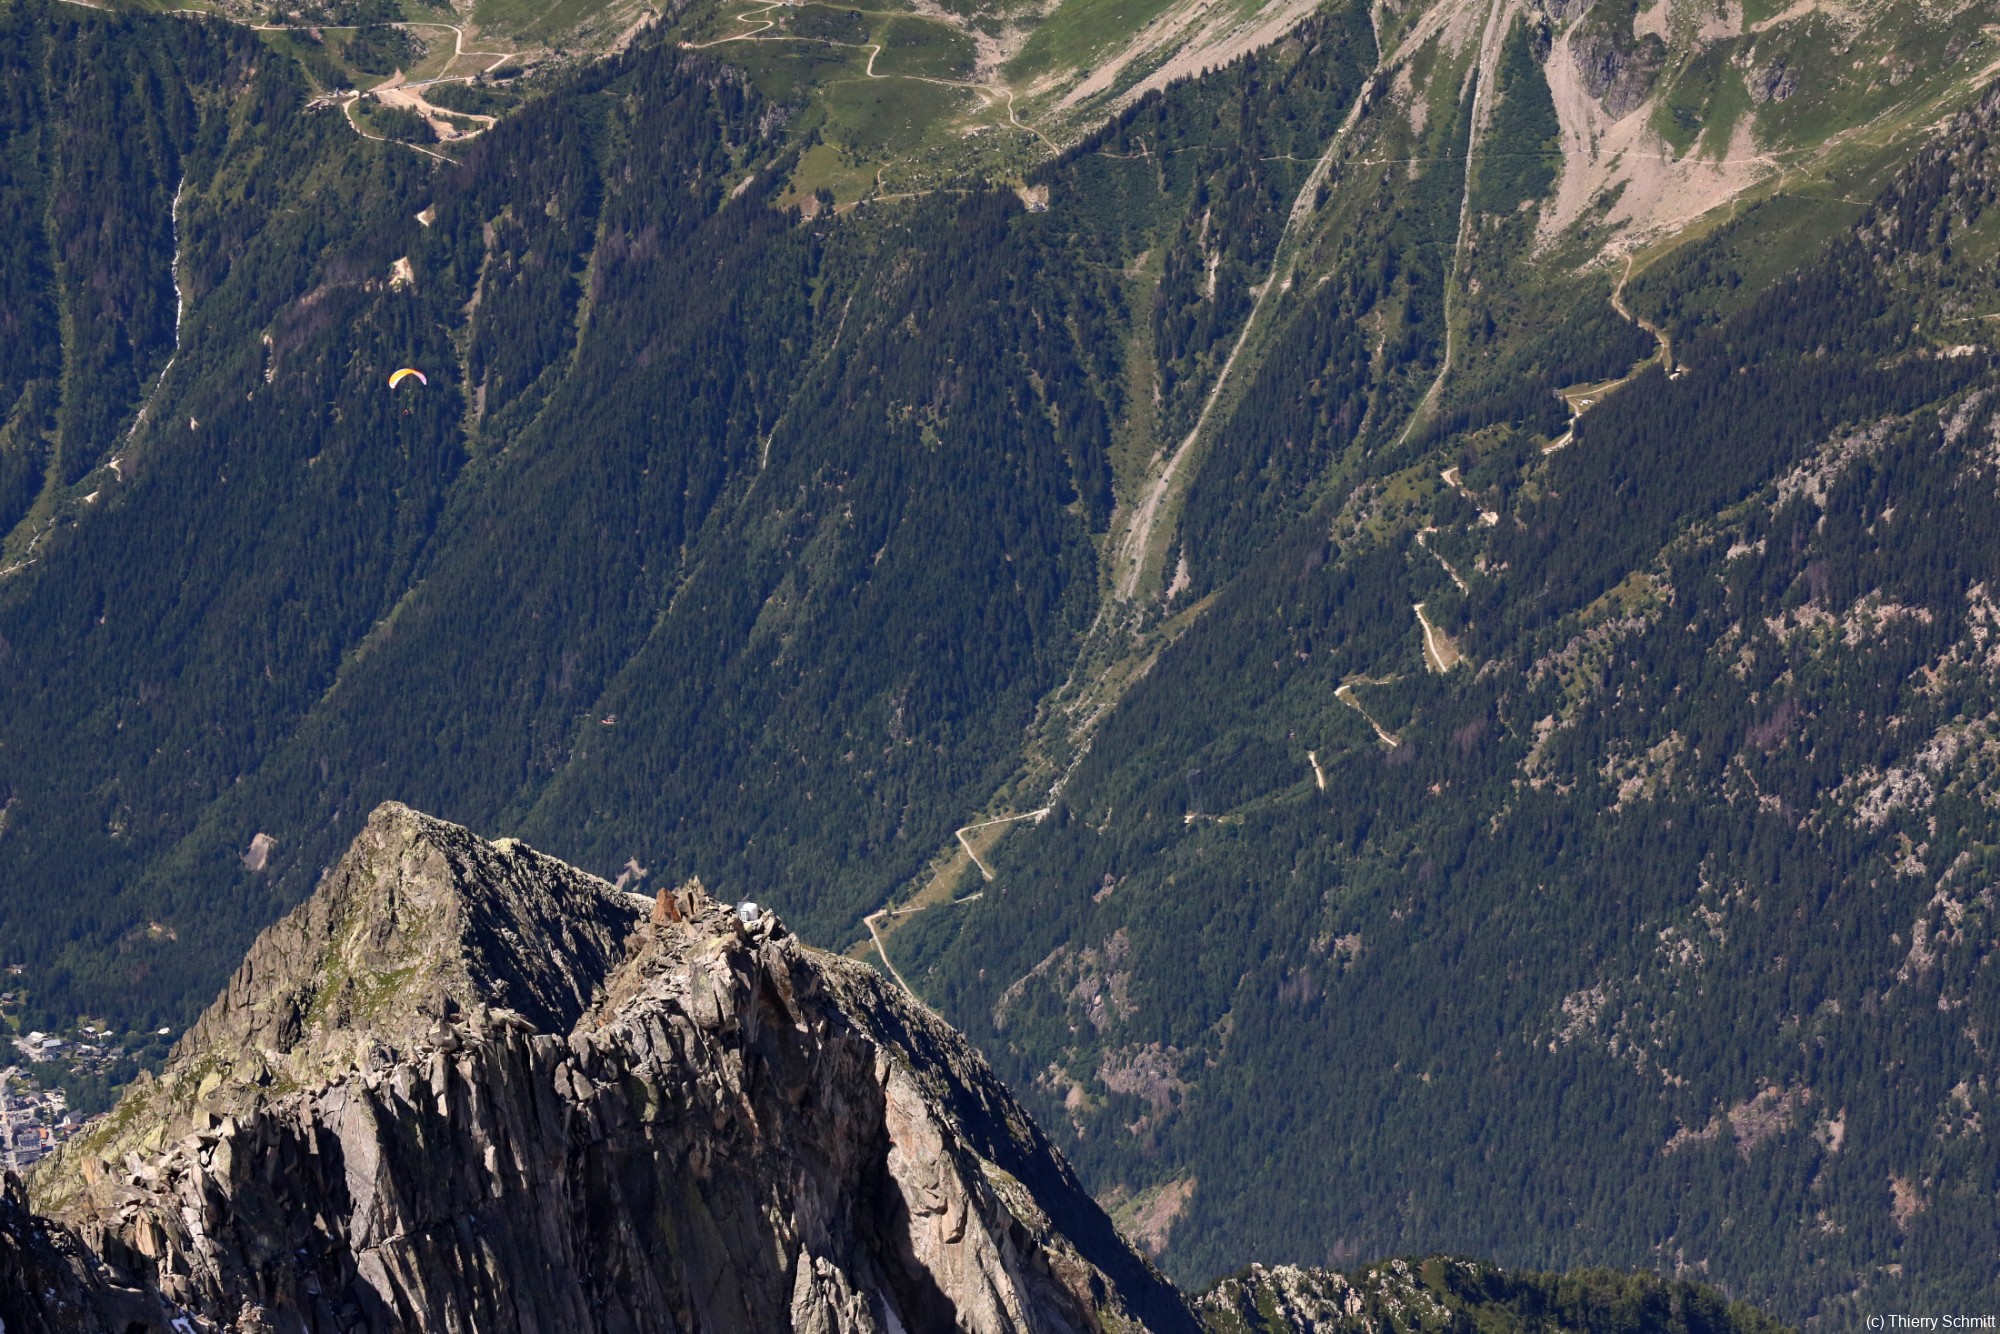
column 466, row 1087
column 50, row 1285
column 1616, row 66
column 1446, row 1295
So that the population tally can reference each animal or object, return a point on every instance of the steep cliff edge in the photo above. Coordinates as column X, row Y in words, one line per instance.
column 467, row 1087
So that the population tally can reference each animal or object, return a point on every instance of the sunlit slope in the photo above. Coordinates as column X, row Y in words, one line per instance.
column 1667, row 110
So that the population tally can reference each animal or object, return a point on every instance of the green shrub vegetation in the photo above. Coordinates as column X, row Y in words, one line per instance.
column 379, row 50
column 1454, row 1296
column 1523, row 147
column 475, row 99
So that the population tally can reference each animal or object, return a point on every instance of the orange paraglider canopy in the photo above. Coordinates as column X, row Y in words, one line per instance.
column 405, row 373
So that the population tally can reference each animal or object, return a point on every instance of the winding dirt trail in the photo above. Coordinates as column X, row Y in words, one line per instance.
column 885, row 914
column 458, row 51
column 1436, row 646
column 406, row 95
column 1345, row 694
column 875, row 920
column 347, row 105
column 1582, row 398
column 882, row 950
column 1452, row 480
column 1425, row 532
column 755, row 15
column 1666, row 352
column 972, row 852
column 991, row 93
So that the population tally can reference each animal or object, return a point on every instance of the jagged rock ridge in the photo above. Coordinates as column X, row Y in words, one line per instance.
column 467, row 1087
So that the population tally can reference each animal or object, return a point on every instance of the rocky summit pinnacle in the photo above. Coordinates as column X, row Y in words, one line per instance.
column 467, row 1087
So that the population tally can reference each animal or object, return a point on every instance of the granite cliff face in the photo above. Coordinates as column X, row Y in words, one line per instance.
column 465, row 1086
column 1616, row 66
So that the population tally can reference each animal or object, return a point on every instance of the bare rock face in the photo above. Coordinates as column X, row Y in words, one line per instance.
column 49, row 1283
column 465, row 1087
column 1775, row 82
column 420, row 927
column 1615, row 67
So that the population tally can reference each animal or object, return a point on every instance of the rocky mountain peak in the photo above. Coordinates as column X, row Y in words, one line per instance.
column 421, row 923
column 466, row 1086
column 421, row 929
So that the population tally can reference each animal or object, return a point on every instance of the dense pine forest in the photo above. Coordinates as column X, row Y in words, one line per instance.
column 670, row 434
column 1488, row 811
column 1726, row 669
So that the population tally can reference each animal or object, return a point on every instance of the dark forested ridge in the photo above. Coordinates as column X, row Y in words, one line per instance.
column 719, row 540
column 1561, row 839
column 716, row 541
column 1660, row 933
